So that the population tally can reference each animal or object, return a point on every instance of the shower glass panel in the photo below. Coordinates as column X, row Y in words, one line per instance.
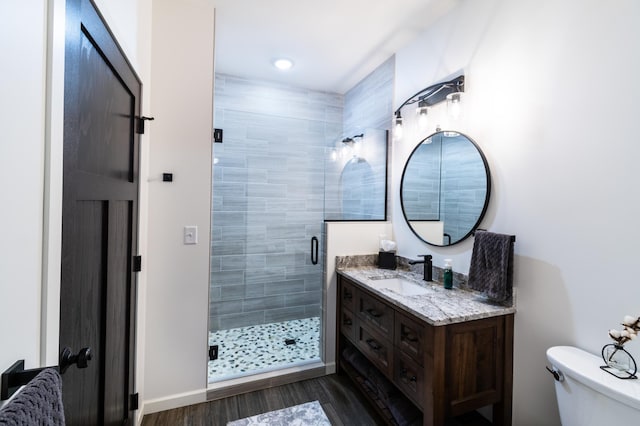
column 268, row 191
column 356, row 177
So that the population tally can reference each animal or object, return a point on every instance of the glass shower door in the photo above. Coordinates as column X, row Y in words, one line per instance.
column 268, row 192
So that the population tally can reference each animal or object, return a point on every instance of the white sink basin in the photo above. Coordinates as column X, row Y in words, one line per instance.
column 400, row 286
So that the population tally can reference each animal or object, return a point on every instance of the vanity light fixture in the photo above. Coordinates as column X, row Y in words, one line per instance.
column 351, row 146
column 398, row 125
column 283, row 64
column 422, row 107
column 453, row 105
column 430, row 96
column 422, row 114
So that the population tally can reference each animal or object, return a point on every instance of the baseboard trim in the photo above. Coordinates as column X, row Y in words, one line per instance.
column 250, row 384
column 236, row 387
column 331, row 367
column 174, row 401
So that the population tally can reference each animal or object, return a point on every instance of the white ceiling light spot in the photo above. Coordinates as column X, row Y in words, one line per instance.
column 283, row 64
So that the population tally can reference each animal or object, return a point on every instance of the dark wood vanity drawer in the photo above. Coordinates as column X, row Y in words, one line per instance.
column 410, row 379
column 348, row 324
column 412, row 338
column 375, row 313
column 377, row 349
column 347, row 295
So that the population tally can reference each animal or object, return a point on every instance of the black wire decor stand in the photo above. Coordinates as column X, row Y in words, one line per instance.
column 619, row 362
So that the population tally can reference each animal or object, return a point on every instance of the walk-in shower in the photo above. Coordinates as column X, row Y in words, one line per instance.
column 268, row 209
column 282, row 170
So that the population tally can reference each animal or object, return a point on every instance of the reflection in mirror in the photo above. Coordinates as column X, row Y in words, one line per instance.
column 445, row 188
column 356, row 177
column 358, row 189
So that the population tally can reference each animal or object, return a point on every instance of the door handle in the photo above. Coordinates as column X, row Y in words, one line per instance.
column 81, row 359
column 374, row 313
column 373, row 344
column 314, row 250
column 409, row 337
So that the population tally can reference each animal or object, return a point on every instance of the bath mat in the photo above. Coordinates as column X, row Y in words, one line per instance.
column 308, row 414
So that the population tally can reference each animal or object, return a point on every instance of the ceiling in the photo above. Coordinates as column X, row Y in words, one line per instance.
column 333, row 43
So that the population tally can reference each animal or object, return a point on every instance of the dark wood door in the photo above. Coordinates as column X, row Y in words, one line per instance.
column 99, row 220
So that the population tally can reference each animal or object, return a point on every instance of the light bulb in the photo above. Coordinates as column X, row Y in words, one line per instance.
column 422, row 115
column 398, row 129
column 344, row 152
column 356, row 149
column 454, row 108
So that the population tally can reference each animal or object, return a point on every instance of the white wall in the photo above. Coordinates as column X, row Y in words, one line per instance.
column 345, row 239
column 178, row 275
column 22, row 156
column 551, row 98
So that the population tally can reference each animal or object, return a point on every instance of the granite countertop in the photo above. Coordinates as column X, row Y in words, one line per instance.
column 437, row 307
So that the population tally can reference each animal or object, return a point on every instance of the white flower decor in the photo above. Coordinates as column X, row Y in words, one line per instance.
column 629, row 332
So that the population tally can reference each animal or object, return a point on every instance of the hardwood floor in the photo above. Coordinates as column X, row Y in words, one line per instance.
column 340, row 400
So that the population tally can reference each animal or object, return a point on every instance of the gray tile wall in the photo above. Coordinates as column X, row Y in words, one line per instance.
column 268, row 193
column 463, row 186
column 369, row 104
column 356, row 190
column 421, row 182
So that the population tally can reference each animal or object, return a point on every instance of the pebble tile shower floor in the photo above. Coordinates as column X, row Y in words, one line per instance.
column 260, row 348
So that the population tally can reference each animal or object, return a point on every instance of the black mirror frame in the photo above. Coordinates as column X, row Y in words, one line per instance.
column 486, row 199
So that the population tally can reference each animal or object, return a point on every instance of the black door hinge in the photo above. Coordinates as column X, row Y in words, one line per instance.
column 217, row 135
column 137, row 263
column 213, row 352
column 141, row 120
column 133, row 402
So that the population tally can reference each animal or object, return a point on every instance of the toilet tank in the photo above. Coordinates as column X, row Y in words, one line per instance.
column 589, row 396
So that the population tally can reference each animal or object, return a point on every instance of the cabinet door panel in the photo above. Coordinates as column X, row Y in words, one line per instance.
column 347, row 295
column 413, row 338
column 376, row 314
column 410, row 378
column 377, row 349
column 348, row 324
column 474, row 364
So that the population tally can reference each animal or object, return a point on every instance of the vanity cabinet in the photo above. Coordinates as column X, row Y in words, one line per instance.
column 445, row 370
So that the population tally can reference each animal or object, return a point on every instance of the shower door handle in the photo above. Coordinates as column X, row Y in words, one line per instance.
column 314, row 250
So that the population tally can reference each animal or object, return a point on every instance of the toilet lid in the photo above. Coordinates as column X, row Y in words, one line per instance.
column 585, row 368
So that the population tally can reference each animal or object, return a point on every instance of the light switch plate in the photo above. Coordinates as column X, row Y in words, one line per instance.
column 190, row 235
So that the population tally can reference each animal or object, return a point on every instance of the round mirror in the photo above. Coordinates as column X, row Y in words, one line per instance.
column 445, row 188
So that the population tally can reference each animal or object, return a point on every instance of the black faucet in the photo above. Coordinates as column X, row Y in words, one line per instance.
column 428, row 266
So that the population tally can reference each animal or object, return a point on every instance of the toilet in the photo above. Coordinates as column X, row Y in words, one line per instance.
column 589, row 396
